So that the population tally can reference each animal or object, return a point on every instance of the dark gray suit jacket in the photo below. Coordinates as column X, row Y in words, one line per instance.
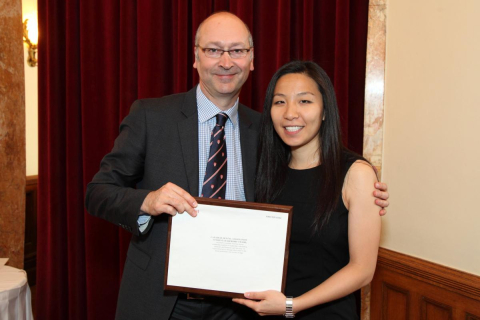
column 158, row 143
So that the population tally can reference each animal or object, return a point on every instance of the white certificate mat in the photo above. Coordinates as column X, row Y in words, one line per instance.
column 229, row 248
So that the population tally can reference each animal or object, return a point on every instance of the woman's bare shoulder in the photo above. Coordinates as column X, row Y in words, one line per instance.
column 360, row 171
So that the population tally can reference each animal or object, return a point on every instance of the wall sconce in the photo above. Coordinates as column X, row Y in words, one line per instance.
column 31, row 41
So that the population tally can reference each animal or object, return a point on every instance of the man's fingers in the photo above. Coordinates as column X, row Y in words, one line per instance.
column 381, row 195
column 381, row 203
column 183, row 201
column 188, row 209
column 194, row 213
column 381, row 186
column 170, row 199
column 191, row 211
column 165, row 208
column 181, row 205
column 183, row 194
column 167, row 204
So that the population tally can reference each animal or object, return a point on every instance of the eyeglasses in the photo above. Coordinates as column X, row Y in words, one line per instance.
column 217, row 53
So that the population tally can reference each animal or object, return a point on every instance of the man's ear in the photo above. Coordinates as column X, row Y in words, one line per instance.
column 195, row 55
column 251, row 62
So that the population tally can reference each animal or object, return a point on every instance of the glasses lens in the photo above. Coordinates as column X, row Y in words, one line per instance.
column 213, row 53
column 217, row 53
column 240, row 53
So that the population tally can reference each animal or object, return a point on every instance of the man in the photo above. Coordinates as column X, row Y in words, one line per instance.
column 164, row 145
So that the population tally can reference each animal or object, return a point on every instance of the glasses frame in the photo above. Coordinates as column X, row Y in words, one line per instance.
column 223, row 51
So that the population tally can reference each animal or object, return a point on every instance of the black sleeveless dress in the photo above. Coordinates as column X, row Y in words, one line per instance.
column 314, row 257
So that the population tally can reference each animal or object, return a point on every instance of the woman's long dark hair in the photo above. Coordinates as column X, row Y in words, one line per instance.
column 274, row 155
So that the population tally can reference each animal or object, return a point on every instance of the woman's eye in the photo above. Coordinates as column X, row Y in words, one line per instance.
column 278, row 102
column 305, row 101
column 212, row 50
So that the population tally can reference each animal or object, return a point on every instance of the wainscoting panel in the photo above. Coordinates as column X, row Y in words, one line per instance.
column 396, row 301
column 408, row 288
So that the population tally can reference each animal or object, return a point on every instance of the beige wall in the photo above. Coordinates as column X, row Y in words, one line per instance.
column 432, row 131
column 29, row 8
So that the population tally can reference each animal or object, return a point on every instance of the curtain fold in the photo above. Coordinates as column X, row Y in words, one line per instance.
column 96, row 58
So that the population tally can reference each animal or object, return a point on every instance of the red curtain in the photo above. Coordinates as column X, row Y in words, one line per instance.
column 97, row 57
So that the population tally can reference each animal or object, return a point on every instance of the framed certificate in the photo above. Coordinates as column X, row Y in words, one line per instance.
column 231, row 247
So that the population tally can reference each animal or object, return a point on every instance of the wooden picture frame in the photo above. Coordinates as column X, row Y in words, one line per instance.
column 232, row 204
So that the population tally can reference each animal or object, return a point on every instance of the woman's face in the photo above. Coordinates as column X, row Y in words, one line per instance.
column 297, row 111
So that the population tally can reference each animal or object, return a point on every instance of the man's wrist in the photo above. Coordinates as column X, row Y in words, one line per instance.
column 143, row 207
column 289, row 308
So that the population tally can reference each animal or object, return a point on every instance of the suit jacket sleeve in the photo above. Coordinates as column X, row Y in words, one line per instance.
column 112, row 195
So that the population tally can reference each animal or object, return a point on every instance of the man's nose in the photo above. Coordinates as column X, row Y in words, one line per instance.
column 225, row 60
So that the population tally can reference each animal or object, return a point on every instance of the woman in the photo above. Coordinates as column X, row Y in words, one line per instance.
column 336, row 226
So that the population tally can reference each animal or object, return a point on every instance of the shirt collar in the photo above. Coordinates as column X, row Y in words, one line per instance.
column 207, row 109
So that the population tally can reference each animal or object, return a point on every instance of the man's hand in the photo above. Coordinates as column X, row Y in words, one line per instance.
column 170, row 199
column 382, row 197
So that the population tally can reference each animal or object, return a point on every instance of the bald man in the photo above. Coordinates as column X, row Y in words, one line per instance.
column 162, row 150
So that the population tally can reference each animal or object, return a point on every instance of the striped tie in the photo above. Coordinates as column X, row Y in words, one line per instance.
column 215, row 181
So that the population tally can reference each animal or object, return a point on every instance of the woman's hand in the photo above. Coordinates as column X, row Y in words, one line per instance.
column 265, row 303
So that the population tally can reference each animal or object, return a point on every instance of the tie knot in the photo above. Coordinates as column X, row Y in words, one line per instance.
column 221, row 119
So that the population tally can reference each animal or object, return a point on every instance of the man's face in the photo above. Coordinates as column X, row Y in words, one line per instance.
column 222, row 78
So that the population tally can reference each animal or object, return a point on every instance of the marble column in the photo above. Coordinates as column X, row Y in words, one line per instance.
column 375, row 83
column 12, row 133
column 374, row 97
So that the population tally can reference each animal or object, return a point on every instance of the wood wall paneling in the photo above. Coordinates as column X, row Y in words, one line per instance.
column 405, row 287
column 471, row 317
column 395, row 302
column 434, row 310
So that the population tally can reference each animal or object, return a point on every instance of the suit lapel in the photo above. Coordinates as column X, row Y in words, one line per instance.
column 248, row 142
column 188, row 132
